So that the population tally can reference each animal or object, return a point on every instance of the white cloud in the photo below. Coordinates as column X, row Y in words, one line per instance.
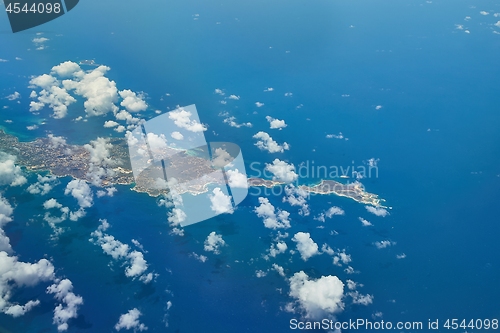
column 132, row 102
column 365, row 222
column 401, row 256
column 110, row 191
column 182, row 119
column 10, row 174
column 51, row 203
column 177, row 135
column 378, row 107
column 44, row 81
column 70, row 303
column 221, row 158
column 288, row 94
column 236, row 179
column 279, row 269
column 20, row 310
column 358, row 298
column 199, row 257
column 276, row 123
column 334, row 211
column 497, row 24
column 231, row 121
column 484, row 13
column 214, row 242
column 305, row 245
column 260, row 273
column 237, row 98
column 341, row 258
column 130, row 320
column 14, row 96
column 259, row 104
column 269, row 89
column 221, row 203
column 14, row 273
column 100, row 160
column 266, row 142
column 268, row 213
column 339, row 136
column 6, row 211
column 317, row 298
column 81, row 191
column 297, row 197
column 136, row 265
column 219, row 92
column 66, row 69
column 100, row 92
column 275, row 249
column 56, row 98
column 383, row 244
column 39, row 40
column 377, row 211
column 56, row 141
column 282, row 171
column 110, row 123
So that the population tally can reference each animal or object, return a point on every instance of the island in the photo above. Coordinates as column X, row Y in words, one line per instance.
column 193, row 172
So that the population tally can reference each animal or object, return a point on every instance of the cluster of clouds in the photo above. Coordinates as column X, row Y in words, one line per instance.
column 43, row 185
column 17, row 274
column 272, row 219
column 266, row 142
column 136, row 265
column 67, row 82
column 78, row 189
column 231, row 121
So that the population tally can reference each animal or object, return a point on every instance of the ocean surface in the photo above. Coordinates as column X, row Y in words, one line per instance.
column 401, row 83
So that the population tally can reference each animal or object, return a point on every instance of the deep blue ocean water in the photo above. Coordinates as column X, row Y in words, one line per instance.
column 436, row 136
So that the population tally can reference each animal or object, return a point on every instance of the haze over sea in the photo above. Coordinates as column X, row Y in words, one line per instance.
column 402, row 82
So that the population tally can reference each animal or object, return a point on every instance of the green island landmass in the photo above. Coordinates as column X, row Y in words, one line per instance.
column 193, row 173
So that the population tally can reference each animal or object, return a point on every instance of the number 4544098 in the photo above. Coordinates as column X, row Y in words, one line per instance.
column 36, row 8
column 477, row 324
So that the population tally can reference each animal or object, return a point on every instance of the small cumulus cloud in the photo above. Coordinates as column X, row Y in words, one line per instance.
column 282, row 171
column 377, row 211
column 213, row 243
column 130, row 321
column 384, row 244
column 266, row 142
column 305, row 245
column 317, row 298
column 276, row 123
